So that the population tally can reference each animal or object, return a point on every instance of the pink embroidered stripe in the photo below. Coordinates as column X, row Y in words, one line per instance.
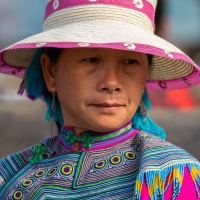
column 142, row 6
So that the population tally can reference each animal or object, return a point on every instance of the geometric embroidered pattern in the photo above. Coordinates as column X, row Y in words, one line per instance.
column 115, row 172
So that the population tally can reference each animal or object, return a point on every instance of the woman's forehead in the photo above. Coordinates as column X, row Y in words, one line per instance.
column 106, row 51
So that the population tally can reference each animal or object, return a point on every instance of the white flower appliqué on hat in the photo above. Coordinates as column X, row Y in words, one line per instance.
column 55, row 4
column 130, row 45
column 138, row 3
column 169, row 54
column 83, row 44
column 40, row 44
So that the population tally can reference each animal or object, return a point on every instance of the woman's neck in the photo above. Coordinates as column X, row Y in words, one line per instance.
column 91, row 140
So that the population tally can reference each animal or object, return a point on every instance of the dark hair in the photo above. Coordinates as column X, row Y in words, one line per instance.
column 53, row 53
column 150, row 59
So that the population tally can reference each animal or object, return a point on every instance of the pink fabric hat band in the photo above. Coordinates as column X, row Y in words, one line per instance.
column 142, row 6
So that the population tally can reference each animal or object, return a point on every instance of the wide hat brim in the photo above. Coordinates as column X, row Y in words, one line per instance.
column 170, row 69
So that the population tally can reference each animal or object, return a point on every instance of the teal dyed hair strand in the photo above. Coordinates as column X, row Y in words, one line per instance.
column 143, row 122
column 36, row 88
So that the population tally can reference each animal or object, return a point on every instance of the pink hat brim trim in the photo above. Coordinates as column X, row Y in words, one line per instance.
column 186, row 82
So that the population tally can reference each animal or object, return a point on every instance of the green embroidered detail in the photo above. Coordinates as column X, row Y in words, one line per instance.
column 39, row 150
column 78, row 169
column 70, row 137
column 87, row 139
column 112, row 135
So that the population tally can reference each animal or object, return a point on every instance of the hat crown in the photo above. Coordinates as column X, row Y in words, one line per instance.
column 138, row 12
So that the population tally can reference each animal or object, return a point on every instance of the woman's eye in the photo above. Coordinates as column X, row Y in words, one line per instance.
column 91, row 60
column 130, row 61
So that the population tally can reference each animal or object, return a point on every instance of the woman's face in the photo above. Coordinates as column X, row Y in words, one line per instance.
column 98, row 89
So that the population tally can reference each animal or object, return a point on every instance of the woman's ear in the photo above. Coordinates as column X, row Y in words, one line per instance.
column 48, row 72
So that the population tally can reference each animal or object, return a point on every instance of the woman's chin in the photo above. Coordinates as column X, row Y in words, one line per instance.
column 107, row 125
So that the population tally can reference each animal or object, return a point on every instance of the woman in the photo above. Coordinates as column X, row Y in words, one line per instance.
column 91, row 65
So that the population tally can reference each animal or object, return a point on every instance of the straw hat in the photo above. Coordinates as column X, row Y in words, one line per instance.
column 117, row 24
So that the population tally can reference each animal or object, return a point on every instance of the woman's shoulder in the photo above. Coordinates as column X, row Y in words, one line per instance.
column 11, row 164
column 161, row 151
column 163, row 164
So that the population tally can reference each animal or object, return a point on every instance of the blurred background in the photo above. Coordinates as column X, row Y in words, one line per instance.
column 22, row 122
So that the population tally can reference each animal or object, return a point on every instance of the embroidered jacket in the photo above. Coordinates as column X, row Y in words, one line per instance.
column 123, row 164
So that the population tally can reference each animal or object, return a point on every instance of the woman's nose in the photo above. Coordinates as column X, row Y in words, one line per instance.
column 109, row 81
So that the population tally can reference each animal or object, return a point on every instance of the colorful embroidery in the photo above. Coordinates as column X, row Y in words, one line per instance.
column 100, row 164
column 195, row 174
column 17, row 195
column 39, row 173
column 40, row 152
column 117, row 172
column 52, row 171
column 166, row 166
column 27, row 182
column 115, row 160
column 94, row 140
column 67, row 169
column 1, row 182
column 130, row 155
column 86, row 139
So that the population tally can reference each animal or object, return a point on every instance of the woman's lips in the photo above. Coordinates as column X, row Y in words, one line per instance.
column 108, row 105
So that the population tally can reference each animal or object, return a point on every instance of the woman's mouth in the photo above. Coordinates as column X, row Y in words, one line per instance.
column 108, row 105
column 108, row 108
